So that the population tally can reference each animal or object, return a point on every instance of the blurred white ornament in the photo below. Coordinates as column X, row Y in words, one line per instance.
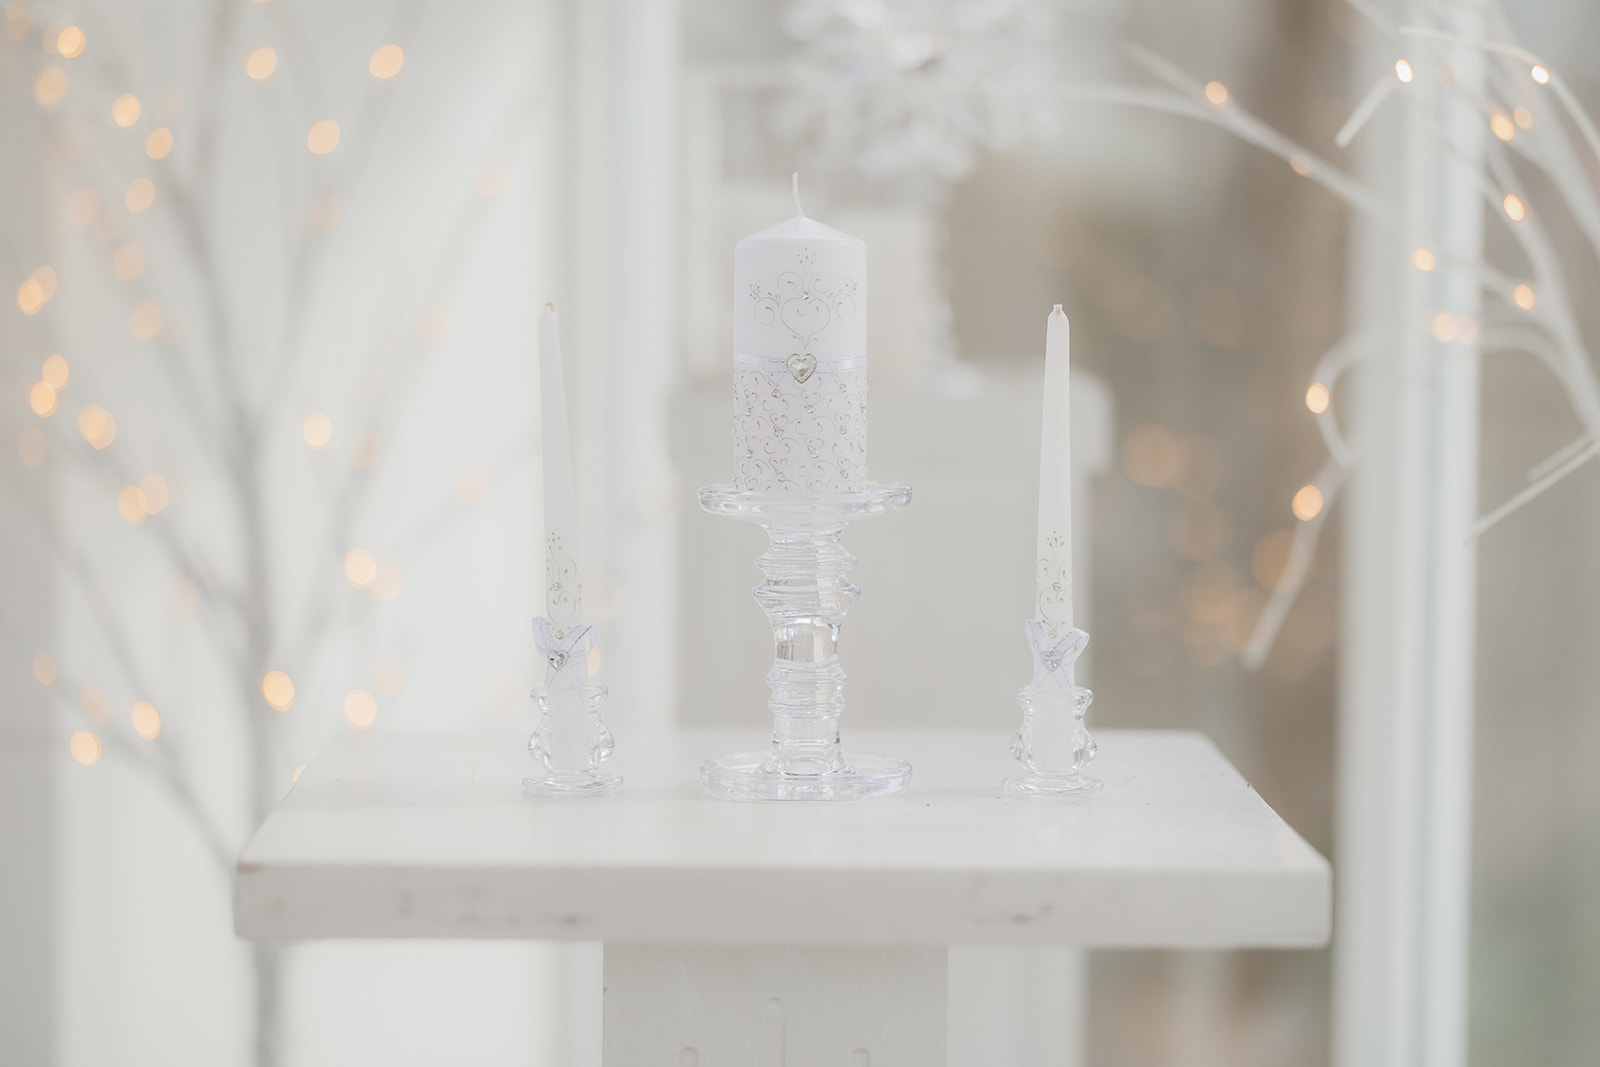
column 910, row 90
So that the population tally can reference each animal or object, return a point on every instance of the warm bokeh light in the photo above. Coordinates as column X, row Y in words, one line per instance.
column 127, row 262
column 145, row 720
column 45, row 671
column 1403, row 71
column 33, row 447
column 97, row 426
column 157, row 494
column 1516, row 210
column 1423, row 259
column 85, row 747
column 1317, row 398
column 365, row 452
column 94, row 702
column 1502, row 126
column 1196, row 529
column 183, row 598
column 473, row 485
column 1154, row 456
column 130, row 505
column 386, row 61
column 43, row 400
column 1522, row 296
column 82, row 206
column 70, row 42
column 1299, row 164
column 360, row 708
column 360, row 568
column 125, row 109
column 260, row 63
column 50, row 86
column 323, row 137
column 492, row 180
column 1307, row 503
column 1216, row 92
column 389, row 677
column 317, row 431
column 388, row 582
column 56, row 372
column 140, row 195
column 1523, row 117
column 278, row 689
column 433, row 323
column 158, row 144
column 1444, row 326
column 1541, row 74
column 30, row 296
column 145, row 321
column 326, row 213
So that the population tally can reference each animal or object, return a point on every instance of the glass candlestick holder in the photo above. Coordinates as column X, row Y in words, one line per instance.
column 806, row 595
column 571, row 740
column 1053, row 745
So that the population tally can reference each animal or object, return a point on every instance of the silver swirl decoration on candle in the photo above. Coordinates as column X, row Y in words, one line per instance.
column 1053, row 584
column 563, row 596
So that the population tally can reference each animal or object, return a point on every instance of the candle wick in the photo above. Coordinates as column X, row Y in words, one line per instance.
column 794, row 186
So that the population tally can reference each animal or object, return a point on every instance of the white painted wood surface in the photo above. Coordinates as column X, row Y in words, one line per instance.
column 742, row 1006
column 397, row 835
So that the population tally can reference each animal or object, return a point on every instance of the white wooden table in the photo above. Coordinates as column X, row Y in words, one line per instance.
column 746, row 934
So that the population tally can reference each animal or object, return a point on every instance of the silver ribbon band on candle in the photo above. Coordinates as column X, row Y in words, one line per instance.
column 800, row 365
column 1051, row 659
column 563, row 655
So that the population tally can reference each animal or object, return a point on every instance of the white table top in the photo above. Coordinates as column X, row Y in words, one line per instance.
column 414, row 835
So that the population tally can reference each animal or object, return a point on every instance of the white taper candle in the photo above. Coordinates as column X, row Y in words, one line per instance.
column 1053, row 599
column 563, row 594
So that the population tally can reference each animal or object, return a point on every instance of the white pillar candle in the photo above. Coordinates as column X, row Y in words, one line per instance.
column 1053, row 599
column 563, row 594
column 800, row 358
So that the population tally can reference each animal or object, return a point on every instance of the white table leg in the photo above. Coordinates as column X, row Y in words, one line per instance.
column 713, row 1006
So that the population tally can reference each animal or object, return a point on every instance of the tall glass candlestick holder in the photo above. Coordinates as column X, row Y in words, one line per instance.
column 571, row 741
column 806, row 595
column 1053, row 744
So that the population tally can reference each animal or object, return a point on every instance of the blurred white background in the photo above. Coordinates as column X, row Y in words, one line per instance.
column 321, row 347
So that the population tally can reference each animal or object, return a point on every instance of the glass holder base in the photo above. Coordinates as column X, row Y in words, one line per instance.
column 746, row 776
column 1052, row 785
column 585, row 785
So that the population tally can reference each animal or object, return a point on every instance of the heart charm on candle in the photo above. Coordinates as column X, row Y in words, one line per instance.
column 558, row 658
column 802, row 367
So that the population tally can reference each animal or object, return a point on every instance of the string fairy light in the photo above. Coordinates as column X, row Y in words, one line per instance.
column 158, row 144
column 70, row 42
column 386, row 62
column 260, row 63
column 1404, row 71
column 144, row 322
column 50, row 86
column 277, row 688
column 1307, row 503
column 145, row 720
column 1523, row 117
column 317, row 431
column 131, row 506
column 85, row 747
column 323, row 137
column 96, row 426
column 156, row 493
column 1443, row 326
column 1217, row 93
column 45, row 671
column 140, row 195
column 1541, row 74
column 1501, row 125
column 1515, row 209
column 56, row 371
column 360, row 568
column 125, row 110
column 1522, row 296
column 43, row 399
column 1317, row 398
column 360, row 708
column 1423, row 259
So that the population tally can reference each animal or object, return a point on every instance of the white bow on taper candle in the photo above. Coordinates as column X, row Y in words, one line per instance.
column 1053, row 745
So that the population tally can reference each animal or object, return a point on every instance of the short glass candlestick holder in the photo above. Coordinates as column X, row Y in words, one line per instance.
column 571, row 740
column 1053, row 745
column 806, row 595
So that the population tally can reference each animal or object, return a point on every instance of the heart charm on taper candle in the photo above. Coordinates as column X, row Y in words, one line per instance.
column 802, row 366
column 558, row 658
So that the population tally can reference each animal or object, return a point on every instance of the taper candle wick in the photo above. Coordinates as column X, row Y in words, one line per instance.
column 794, row 186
